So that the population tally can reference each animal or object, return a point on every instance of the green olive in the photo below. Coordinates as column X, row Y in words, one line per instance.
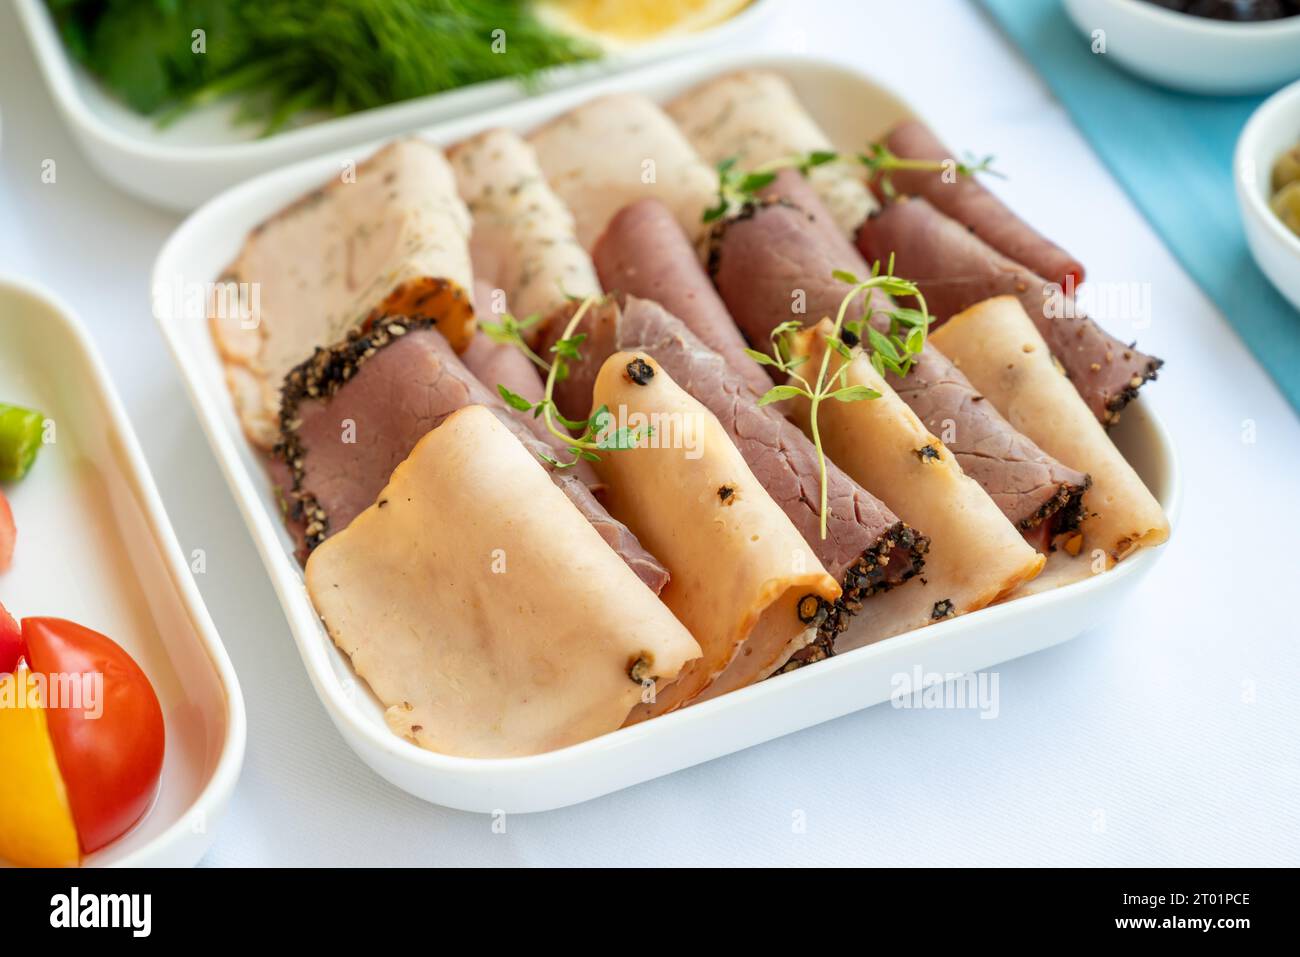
column 1286, row 203
column 1287, row 168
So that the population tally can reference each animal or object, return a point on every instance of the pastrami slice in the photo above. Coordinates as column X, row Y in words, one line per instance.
column 776, row 261
column 955, row 269
column 354, row 411
column 644, row 253
column 965, row 199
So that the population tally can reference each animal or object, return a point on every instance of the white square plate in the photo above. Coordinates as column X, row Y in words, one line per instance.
column 854, row 110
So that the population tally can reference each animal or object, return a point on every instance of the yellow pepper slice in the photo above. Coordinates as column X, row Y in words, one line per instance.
column 36, row 828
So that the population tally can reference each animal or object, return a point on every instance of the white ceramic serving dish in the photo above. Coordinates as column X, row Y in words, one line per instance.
column 203, row 153
column 96, row 546
column 1271, row 130
column 854, row 110
column 1193, row 53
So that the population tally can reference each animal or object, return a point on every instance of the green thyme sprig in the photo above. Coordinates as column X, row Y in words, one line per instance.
column 882, row 161
column 593, row 433
column 737, row 187
column 893, row 351
column 510, row 331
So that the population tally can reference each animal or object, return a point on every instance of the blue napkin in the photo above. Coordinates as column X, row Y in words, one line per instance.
column 1178, row 172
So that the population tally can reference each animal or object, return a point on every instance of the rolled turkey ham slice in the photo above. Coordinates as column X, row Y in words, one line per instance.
column 775, row 261
column 956, row 269
column 483, row 609
column 1000, row 350
column 867, row 548
column 966, row 200
column 524, row 241
column 389, row 237
column 754, row 116
column 976, row 555
column 354, row 411
column 746, row 618
column 616, row 149
column 644, row 253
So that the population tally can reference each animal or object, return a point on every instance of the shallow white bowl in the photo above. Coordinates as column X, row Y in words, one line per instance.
column 204, row 152
column 95, row 546
column 1193, row 53
column 1270, row 131
column 853, row 110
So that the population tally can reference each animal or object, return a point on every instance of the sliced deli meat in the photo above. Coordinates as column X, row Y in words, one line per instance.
column 775, row 261
column 976, row 555
column 1000, row 349
column 355, row 410
column 867, row 548
column 524, row 241
column 644, row 253
column 386, row 238
column 966, row 200
column 750, row 618
column 955, row 269
column 619, row 148
column 483, row 609
column 754, row 117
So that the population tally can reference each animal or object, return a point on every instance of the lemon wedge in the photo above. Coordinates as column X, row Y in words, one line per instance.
column 624, row 22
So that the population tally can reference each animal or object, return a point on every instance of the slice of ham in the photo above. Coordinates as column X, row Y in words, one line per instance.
column 999, row 347
column 619, row 148
column 524, row 242
column 775, row 260
column 748, row 619
column 754, row 117
column 644, row 253
column 966, row 200
column 976, row 555
column 390, row 237
column 483, row 610
column 867, row 548
column 354, row 411
column 956, row 269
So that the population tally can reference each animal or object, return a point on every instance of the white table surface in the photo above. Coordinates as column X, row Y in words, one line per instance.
column 1171, row 736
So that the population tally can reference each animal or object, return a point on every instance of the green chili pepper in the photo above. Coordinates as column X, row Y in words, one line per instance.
column 20, row 440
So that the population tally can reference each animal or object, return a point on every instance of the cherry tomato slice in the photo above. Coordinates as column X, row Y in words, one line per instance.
column 110, row 750
column 11, row 642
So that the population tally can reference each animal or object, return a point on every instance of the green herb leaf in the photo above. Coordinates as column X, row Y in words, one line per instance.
column 761, row 358
column 854, row 393
column 514, row 400
column 779, row 393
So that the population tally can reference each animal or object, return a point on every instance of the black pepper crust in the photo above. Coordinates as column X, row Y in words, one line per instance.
column 1116, row 403
column 321, row 376
column 1064, row 510
column 864, row 578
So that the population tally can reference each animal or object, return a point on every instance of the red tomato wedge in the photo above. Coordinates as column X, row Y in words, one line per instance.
column 110, row 751
column 8, row 533
column 11, row 642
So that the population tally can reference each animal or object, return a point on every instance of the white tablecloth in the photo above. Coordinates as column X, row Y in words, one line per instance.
column 1171, row 736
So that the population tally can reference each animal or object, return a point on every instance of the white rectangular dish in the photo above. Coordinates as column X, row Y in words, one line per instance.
column 853, row 110
column 96, row 546
column 203, row 153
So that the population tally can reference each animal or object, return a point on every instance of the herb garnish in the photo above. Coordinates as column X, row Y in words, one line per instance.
column 593, row 432
column 736, row 187
column 893, row 351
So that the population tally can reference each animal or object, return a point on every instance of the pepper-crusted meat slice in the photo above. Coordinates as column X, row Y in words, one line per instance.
column 354, row 411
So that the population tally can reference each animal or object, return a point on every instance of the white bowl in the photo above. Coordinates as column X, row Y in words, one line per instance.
column 95, row 546
column 853, row 109
column 1193, row 53
column 204, row 152
column 1270, row 131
